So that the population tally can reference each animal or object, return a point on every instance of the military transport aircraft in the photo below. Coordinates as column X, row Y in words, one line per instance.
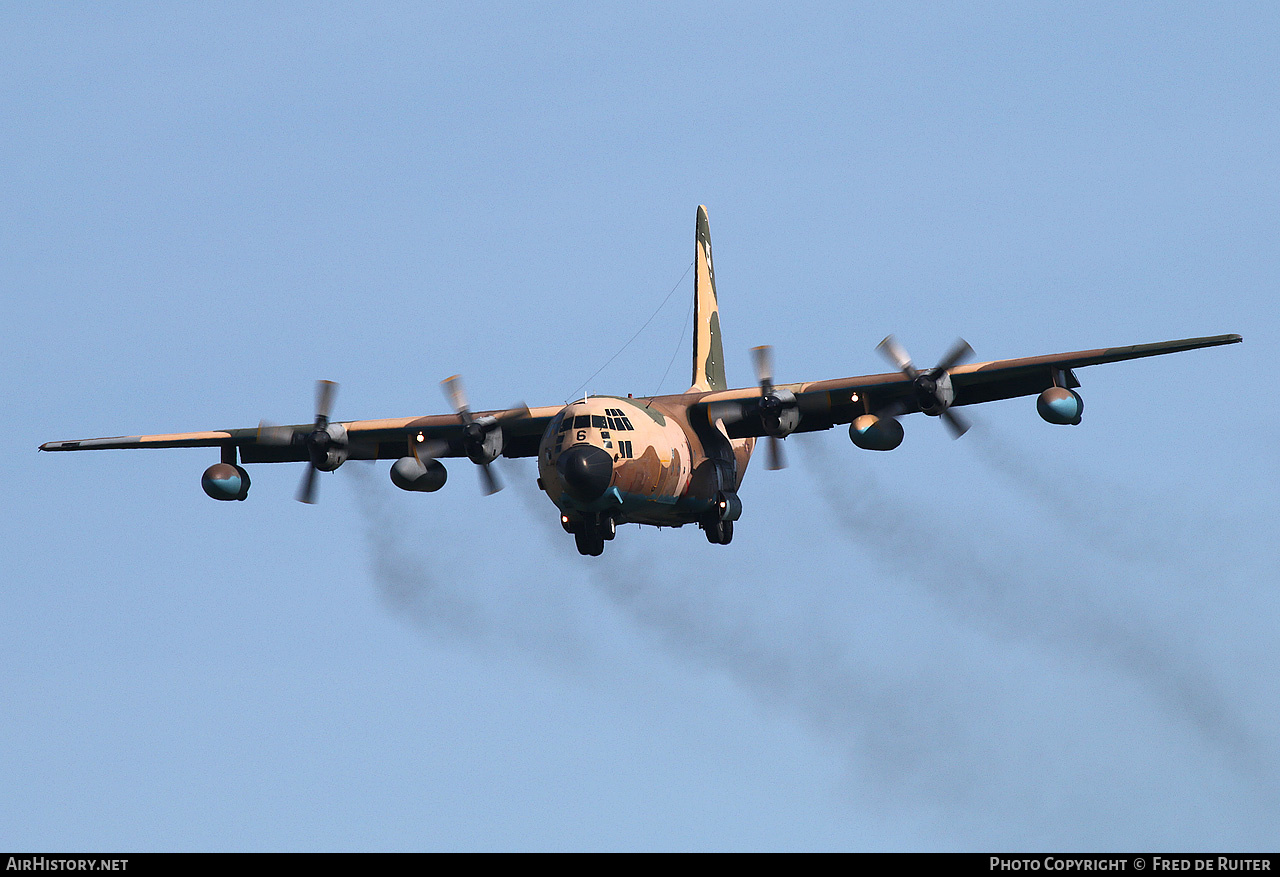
column 661, row 460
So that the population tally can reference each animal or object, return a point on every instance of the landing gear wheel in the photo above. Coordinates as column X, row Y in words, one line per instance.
column 719, row 532
column 608, row 527
column 589, row 543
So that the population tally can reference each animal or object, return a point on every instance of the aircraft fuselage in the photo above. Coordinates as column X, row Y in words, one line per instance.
column 641, row 463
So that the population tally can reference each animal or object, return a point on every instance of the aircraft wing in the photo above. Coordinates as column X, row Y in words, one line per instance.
column 386, row 439
column 823, row 404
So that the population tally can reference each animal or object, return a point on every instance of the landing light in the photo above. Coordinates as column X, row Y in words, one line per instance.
column 564, row 519
column 853, row 398
column 421, row 437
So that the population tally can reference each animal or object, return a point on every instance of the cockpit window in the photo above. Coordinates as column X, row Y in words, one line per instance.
column 582, row 421
column 614, row 418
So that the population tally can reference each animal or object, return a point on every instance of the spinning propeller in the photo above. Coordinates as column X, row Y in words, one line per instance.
column 326, row 443
column 482, row 437
column 933, row 388
column 777, row 408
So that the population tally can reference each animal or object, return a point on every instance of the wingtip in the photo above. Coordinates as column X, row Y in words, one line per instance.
column 1218, row 340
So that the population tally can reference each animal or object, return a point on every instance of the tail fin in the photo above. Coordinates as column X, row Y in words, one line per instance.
column 708, row 353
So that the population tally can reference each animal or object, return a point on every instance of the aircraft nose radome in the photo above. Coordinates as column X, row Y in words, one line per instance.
column 586, row 472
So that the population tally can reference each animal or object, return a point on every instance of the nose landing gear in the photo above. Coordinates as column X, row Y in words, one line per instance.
column 590, row 535
column 589, row 543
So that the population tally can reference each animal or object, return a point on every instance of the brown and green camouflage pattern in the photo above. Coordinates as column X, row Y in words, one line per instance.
column 708, row 352
column 823, row 404
column 684, row 448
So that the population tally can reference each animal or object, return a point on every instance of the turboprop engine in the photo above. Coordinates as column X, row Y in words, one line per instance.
column 482, row 439
column 933, row 390
column 327, row 446
column 779, row 413
column 326, row 443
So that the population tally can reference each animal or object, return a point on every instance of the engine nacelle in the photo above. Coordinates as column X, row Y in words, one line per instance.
column 872, row 433
column 934, row 392
column 410, row 473
column 779, row 414
column 327, row 447
column 482, row 440
column 1061, row 406
column 225, row 481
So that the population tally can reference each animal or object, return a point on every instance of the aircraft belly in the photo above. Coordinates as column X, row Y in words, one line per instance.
column 660, row 511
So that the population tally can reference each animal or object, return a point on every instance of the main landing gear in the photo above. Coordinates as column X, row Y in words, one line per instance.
column 718, row 523
column 719, row 532
column 591, row 535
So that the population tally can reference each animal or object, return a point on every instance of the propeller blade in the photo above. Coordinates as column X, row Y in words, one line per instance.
column 893, row 352
column 491, row 483
column 729, row 412
column 324, row 399
column 896, row 408
column 956, row 355
column 429, row 450
column 763, row 357
column 957, row 424
column 777, row 460
column 515, row 412
column 273, row 434
column 456, row 395
column 307, row 489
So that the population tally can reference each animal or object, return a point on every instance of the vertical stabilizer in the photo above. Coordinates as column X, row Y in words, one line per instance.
column 708, row 354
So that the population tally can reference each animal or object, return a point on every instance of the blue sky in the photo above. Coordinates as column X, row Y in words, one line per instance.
column 1033, row 638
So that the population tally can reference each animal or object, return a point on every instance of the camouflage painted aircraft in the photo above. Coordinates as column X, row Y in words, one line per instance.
column 661, row 460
